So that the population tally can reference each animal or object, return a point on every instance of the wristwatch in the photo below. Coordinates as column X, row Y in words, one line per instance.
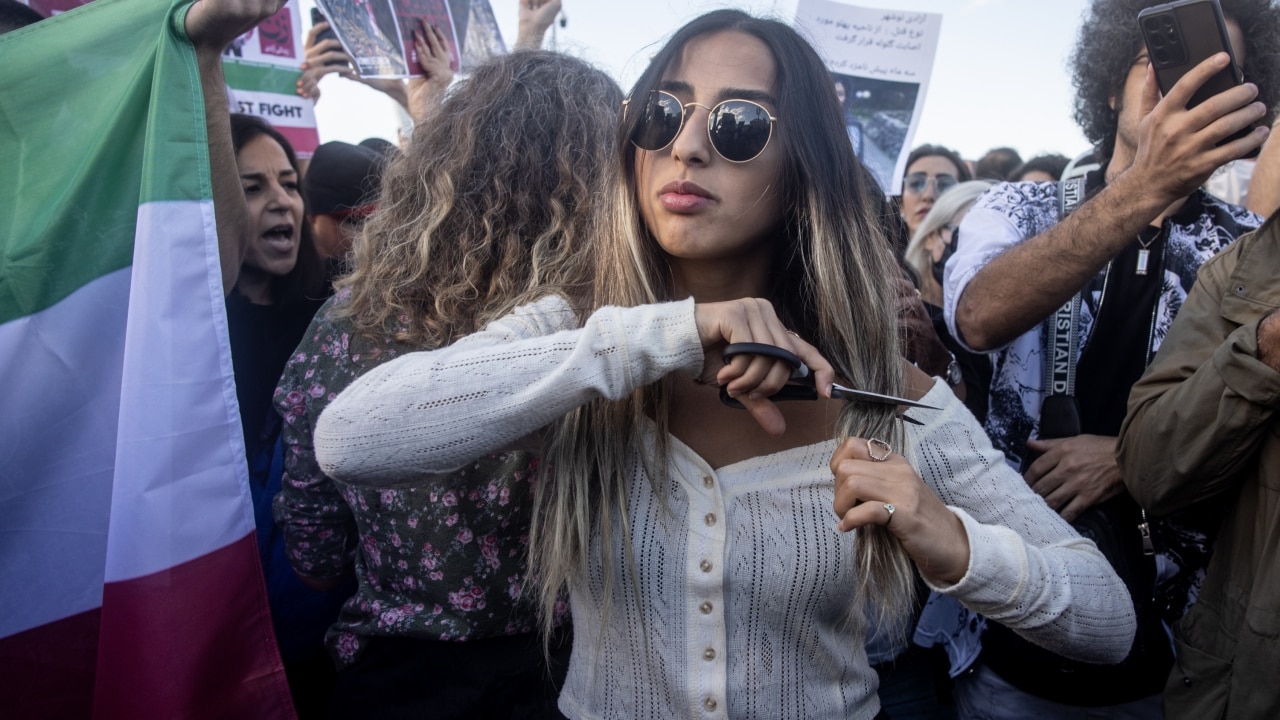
column 953, row 375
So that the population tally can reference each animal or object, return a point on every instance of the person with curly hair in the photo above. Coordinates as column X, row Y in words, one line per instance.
column 497, row 197
column 1110, row 275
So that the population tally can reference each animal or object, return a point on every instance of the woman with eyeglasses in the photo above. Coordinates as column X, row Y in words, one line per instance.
column 688, row 515
column 931, row 171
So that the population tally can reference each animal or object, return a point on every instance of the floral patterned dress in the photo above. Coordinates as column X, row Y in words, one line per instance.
column 442, row 560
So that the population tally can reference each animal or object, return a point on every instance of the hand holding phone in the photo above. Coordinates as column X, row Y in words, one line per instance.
column 318, row 17
column 1180, row 35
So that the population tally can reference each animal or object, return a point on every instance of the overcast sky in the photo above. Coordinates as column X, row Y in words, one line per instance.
column 999, row 78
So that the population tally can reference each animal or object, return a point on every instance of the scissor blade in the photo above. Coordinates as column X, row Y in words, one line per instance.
column 844, row 393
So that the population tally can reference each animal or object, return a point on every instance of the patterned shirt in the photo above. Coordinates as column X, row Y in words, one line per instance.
column 1012, row 213
column 444, row 559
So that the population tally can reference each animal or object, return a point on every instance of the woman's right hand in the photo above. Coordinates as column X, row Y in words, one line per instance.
column 751, row 379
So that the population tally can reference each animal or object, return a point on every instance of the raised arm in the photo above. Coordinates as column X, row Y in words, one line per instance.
column 535, row 17
column 1176, row 153
column 211, row 25
column 1213, row 390
column 432, row 412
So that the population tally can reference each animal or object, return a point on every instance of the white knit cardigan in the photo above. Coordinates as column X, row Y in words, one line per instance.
column 744, row 585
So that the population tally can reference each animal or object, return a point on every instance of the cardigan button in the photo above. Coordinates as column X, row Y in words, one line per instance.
column 707, row 482
column 709, row 704
column 710, row 519
column 705, row 565
column 709, row 654
column 1186, row 681
column 705, row 608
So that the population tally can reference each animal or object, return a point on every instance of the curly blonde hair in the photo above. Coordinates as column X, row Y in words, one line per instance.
column 494, row 202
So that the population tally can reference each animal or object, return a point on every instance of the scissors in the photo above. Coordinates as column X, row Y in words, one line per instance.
column 802, row 385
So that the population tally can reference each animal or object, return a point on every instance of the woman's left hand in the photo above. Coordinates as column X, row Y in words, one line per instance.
column 866, row 488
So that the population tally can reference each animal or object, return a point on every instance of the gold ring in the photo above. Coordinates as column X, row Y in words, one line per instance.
column 874, row 444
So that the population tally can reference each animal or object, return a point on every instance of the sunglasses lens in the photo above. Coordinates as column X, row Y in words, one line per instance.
column 945, row 182
column 659, row 122
column 739, row 129
column 915, row 182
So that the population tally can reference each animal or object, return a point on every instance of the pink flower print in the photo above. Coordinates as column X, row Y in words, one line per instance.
column 395, row 539
column 433, row 497
column 462, row 601
column 300, row 357
column 464, row 535
column 388, row 497
column 346, row 339
column 474, row 495
column 490, row 554
column 449, row 499
column 317, row 391
column 391, row 617
column 347, row 645
column 477, row 591
column 307, row 375
column 451, row 520
column 504, row 497
column 294, row 398
column 436, row 575
column 412, row 521
column 491, row 492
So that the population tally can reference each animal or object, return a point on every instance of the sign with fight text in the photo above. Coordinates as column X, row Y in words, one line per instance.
column 262, row 69
column 880, row 62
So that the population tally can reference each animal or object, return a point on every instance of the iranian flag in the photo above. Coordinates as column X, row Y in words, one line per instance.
column 129, row 578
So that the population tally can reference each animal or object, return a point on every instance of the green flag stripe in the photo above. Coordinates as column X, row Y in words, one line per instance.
column 263, row 78
column 74, row 152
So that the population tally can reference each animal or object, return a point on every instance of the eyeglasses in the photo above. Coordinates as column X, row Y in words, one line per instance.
column 739, row 130
column 916, row 182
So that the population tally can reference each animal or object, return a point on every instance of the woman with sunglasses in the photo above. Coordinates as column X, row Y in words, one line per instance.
column 931, row 171
column 696, row 539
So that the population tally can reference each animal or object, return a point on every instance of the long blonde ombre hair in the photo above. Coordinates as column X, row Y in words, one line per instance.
column 832, row 285
column 497, row 200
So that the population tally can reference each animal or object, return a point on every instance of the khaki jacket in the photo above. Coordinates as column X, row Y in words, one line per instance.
column 1203, row 424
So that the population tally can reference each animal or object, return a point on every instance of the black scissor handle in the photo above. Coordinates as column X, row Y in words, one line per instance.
column 801, row 386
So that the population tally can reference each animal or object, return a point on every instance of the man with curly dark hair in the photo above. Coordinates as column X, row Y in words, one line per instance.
column 1105, row 283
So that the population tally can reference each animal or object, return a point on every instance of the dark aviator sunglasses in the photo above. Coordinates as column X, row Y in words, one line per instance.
column 739, row 130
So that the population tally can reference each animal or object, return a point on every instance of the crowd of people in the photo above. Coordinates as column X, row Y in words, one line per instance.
column 511, row 391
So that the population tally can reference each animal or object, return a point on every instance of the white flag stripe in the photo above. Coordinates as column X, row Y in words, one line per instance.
column 60, row 384
column 181, row 479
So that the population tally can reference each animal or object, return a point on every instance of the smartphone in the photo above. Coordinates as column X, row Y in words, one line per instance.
column 1182, row 34
column 318, row 17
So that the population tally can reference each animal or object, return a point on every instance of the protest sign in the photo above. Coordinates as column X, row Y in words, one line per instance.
column 880, row 61
column 378, row 34
column 262, row 69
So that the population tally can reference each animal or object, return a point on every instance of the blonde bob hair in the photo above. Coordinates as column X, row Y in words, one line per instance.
column 944, row 211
